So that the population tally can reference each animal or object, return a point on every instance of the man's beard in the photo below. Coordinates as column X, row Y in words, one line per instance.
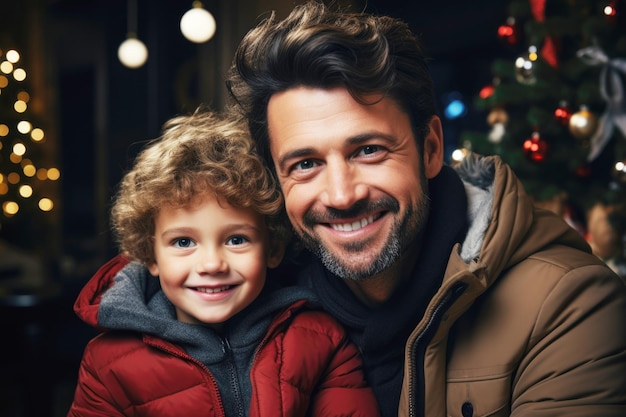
column 403, row 233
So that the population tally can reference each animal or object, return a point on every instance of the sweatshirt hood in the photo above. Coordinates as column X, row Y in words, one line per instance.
column 132, row 299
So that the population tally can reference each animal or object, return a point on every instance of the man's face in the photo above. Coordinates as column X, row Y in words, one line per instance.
column 353, row 180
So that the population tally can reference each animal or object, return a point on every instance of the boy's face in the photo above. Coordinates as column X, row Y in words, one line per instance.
column 211, row 258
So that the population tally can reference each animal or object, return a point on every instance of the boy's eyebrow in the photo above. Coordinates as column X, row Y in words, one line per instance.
column 177, row 231
column 228, row 227
column 245, row 226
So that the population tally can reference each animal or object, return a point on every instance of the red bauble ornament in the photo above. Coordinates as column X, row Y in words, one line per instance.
column 535, row 148
column 509, row 32
column 486, row 92
column 583, row 171
column 563, row 114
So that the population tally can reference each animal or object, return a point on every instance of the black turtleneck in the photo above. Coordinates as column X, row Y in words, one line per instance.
column 381, row 332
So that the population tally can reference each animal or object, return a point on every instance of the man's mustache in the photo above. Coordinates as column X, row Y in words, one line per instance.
column 359, row 209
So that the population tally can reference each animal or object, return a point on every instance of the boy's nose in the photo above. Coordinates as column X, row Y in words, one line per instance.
column 212, row 262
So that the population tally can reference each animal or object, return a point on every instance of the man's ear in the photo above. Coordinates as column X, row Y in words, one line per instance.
column 433, row 148
column 277, row 252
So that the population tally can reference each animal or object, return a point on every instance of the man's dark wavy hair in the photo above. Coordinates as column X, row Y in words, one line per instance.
column 323, row 48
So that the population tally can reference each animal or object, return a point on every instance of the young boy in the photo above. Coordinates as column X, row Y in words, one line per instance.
column 193, row 328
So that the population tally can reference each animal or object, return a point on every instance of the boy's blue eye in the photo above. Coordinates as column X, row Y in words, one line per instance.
column 183, row 242
column 236, row 240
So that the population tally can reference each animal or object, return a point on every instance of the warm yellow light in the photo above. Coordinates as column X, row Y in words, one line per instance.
column 197, row 24
column 29, row 170
column 42, row 174
column 24, row 96
column 10, row 208
column 6, row 67
column 19, row 74
column 459, row 154
column 1, row 178
column 13, row 56
column 54, row 174
column 19, row 149
column 132, row 52
column 37, row 135
column 24, row 127
column 4, row 81
column 26, row 191
column 609, row 10
column 20, row 106
column 4, row 188
column 45, row 204
column 4, row 130
column 15, row 158
column 13, row 178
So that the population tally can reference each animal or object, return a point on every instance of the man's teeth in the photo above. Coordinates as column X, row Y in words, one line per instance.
column 349, row 227
column 213, row 290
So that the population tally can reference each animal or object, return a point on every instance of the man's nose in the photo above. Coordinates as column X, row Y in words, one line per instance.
column 343, row 185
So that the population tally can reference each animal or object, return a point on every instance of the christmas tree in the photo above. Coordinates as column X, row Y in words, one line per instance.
column 28, row 177
column 556, row 108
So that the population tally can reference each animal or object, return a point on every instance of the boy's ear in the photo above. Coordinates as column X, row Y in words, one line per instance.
column 153, row 268
column 277, row 252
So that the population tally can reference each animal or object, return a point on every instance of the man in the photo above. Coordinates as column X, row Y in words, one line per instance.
column 463, row 298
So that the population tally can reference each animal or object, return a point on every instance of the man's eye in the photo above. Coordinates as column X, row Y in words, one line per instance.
column 304, row 165
column 236, row 240
column 369, row 149
column 183, row 242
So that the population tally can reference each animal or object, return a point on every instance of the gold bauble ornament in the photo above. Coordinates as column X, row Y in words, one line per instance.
column 583, row 124
column 497, row 115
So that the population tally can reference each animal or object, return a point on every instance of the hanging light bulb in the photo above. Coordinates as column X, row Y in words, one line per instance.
column 197, row 24
column 132, row 52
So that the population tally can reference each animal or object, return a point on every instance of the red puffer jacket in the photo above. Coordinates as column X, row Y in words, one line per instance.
column 129, row 374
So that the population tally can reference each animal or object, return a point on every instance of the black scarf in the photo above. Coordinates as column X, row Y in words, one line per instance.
column 381, row 333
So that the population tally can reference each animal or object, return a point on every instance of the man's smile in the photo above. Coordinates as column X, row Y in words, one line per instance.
column 356, row 225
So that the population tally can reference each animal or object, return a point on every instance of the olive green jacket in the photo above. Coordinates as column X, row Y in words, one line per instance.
column 527, row 322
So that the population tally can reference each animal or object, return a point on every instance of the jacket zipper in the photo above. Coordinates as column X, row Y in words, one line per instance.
column 197, row 362
column 451, row 296
column 234, row 380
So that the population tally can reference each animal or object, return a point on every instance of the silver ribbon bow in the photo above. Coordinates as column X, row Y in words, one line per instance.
column 612, row 92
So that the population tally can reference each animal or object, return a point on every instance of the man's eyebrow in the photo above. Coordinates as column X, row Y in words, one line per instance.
column 364, row 137
column 296, row 153
column 353, row 140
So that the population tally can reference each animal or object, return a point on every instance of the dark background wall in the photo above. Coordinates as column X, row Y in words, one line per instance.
column 98, row 114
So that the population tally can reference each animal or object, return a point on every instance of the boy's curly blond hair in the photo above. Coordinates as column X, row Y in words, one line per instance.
column 199, row 153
